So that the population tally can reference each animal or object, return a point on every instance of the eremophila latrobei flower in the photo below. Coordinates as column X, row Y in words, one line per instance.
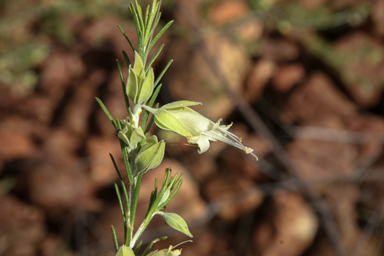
column 179, row 118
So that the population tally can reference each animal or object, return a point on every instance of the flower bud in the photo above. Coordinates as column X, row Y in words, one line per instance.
column 125, row 251
column 149, row 156
column 131, row 135
column 139, row 86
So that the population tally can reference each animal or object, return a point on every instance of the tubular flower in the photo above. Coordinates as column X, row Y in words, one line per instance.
column 179, row 118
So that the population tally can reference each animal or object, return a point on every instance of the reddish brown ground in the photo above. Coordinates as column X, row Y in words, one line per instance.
column 323, row 104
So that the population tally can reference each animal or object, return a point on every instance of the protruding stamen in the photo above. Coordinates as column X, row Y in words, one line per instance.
column 248, row 150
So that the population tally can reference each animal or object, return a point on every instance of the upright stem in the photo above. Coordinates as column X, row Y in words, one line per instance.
column 141, row 229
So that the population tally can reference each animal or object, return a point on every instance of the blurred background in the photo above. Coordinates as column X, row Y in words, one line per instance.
column 302, row 81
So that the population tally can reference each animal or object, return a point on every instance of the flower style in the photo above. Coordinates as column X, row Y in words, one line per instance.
column 179, row 118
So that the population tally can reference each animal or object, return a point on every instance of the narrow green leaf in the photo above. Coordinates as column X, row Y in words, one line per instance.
column 157, row 37
column 150, row 28
column 155, row 205
column 152, row 243
column 135, row 198
column 162, row 72
column 156, row 185
column 126, row 200
column 126, row 59
column 120, row 203
column 123, row 85
column 116, row 168
column 150, row 104
column 154, row 58
column 146, row 16
column 151, row 201
column 114, row 237
column 124, row 150
column 178, row 180
column 173, row 179
column 126, row 37
column 166, row 177
column 134, row 13
column 176, row 222
column 138, row 247
column 106, row 111
column 178, row 186
column 127, row 165
column 140, row 16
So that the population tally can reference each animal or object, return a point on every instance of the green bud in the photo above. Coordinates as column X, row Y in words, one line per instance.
column 147, row 87
column 138, row 66
column 131, row 135
column 139, row 85
column 150, row 155
column 132, row 84
column 125, row 251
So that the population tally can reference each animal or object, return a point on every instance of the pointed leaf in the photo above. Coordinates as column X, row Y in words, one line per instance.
column 176, row 222
column 126, row 59
column 106, row 111
column 114, row 238
column 159, row 35
column 162, row 72
column 154, row 57
column 126, row 37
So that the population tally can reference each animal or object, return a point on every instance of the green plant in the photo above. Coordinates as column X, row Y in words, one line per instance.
column 141, row 152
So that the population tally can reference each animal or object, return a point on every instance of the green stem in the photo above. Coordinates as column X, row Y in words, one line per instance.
column 141, row 229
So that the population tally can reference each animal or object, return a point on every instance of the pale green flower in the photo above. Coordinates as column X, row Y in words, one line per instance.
column 179, row 118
